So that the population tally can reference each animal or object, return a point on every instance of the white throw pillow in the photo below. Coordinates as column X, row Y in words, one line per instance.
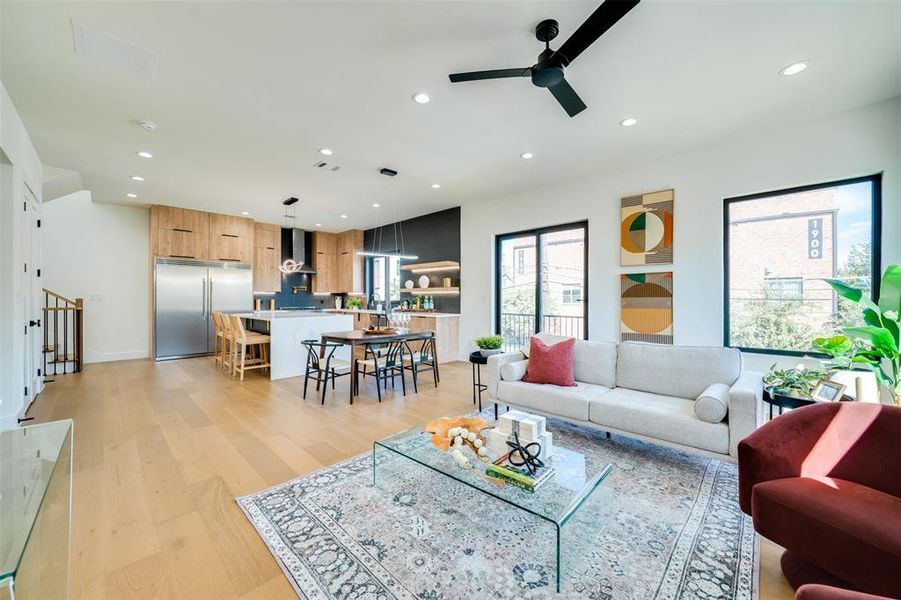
column 514, row 371
column 713, row 403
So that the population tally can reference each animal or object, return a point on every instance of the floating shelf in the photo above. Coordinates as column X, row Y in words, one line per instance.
column 432, row 291
column 441, row 265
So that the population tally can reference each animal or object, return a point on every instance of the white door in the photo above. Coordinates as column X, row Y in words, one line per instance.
column 31, row 303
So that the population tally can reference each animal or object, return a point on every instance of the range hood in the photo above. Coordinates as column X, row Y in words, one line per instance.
column 295, row 258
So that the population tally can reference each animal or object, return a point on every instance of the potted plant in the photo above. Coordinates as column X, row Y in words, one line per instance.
column 490, row 344
column 797, row 382
column 355, row 303
column 874, row 346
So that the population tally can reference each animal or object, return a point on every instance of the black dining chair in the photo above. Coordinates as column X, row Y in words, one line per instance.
column 424, row 359
column 385, row 361
column 322, row 366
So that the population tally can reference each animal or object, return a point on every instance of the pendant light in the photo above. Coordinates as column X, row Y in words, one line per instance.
column 290, row 265
column 400, row 250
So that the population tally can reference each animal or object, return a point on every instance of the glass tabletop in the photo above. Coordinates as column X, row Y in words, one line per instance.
column 575, row 478
column 28, row 458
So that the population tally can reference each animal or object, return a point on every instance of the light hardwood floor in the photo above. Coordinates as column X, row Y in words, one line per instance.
column 162, row 449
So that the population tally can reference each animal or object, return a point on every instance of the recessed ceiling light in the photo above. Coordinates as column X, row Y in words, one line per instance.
column 132, row 195
column 145, row 154
column 245, row 213
column 375, row 205
column 318, row 224
column 421, row 98
column 435, row 186
column 137, row 178
column 794, row 68
column 526, row 155
column 629, row 122
column 325, row 151
column 343, row 216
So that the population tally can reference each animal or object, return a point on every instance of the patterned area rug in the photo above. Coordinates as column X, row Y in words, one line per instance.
column 672, row 529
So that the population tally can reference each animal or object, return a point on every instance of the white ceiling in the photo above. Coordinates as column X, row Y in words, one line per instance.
column 246, row 92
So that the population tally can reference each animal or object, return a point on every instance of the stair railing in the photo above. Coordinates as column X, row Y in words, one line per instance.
column 63, row 334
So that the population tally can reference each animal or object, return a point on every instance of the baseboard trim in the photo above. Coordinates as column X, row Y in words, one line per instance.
column 91, row 356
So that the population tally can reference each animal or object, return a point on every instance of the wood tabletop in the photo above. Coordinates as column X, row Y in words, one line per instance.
column 357, row 336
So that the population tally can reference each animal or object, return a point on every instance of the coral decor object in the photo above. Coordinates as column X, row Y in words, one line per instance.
column 454, row 434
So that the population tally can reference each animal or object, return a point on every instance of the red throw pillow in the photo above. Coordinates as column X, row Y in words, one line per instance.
column 551, row 364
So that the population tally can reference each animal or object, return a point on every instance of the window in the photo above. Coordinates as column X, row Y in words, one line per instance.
column 572, row 294
column 541, row 282
column 779, row 246
column 385, row 278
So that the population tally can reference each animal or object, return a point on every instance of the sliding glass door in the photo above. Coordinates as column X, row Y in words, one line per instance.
column 542, row 283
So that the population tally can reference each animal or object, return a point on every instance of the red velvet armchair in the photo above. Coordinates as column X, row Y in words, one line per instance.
column 824, row 482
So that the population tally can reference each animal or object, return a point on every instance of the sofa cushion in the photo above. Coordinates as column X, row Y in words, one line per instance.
column 713, row 403
column 682, row 371
column 595, row 362
column 551, row 364
column 548, row 338
column 849, row 529
column 514, row 371
column 662, row 417
column 566, row 402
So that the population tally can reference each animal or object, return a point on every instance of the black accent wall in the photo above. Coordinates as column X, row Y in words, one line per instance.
column 432, row 237
column 286, row 298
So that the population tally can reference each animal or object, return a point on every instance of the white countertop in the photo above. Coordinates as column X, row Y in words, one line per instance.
column 369, row 311
column 271, row 315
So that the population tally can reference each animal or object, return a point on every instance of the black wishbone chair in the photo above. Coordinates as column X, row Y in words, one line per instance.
column 322, row 366
column 425, row 359
column 384, row 361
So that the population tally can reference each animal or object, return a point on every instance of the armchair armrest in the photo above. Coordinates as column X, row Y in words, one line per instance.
column 495, row 362
column 745, row 408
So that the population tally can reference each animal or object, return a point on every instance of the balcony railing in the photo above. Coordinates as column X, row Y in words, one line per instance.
column 517, row 328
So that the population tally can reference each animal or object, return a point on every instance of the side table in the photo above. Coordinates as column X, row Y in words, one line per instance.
column 477, row 361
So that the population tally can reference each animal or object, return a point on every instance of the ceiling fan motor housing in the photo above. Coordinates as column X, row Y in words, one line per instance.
column 547, row 72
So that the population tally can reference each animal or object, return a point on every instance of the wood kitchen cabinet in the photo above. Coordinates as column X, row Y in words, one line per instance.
column 231, row 238
column 267, row 256
column 349, row 265
column 325, row 261
column 179, row 233
column 447, row 331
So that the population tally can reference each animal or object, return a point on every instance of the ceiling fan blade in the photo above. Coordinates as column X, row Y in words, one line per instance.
column 568, row 98
column 602, row 19
column 495, row 74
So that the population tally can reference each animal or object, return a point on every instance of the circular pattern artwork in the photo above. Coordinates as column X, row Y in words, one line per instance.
column 646, row 229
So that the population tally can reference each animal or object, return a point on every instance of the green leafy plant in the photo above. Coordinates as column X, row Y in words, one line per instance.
column 874, row 346
column 355, row 303
column 796, row 381
column 490, row 342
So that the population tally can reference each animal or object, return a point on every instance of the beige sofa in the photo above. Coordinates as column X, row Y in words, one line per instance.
column 646, row 391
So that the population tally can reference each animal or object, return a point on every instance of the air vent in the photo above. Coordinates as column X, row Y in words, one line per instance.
column 327, row 166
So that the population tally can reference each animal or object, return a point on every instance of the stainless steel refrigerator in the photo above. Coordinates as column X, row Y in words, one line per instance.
column 186, row 293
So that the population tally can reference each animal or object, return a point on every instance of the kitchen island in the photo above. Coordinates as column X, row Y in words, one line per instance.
column 287, row 329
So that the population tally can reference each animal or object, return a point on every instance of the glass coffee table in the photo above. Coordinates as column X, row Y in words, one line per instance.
column 569, row 501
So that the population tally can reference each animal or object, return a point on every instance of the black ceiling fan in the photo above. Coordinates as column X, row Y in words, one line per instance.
column 548, row 71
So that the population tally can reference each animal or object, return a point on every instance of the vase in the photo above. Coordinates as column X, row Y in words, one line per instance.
column 338, row 302
column 888, row 396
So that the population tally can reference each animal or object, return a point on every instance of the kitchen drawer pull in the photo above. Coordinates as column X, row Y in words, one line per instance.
column 229, row 235
column 180, row 256
column 179, row 230
column 230, row 259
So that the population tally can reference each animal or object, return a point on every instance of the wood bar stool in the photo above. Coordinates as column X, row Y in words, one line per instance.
column 219, row 341
column 242, row 341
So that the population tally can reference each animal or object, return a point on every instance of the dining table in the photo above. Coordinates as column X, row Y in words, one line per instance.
column 360, row 337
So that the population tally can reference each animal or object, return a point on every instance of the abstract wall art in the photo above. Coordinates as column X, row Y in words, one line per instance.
column 646, row 229
column 646, row 313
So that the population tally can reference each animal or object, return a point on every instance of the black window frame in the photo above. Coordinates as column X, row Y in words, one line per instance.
column 537, row 232
column 875, row 246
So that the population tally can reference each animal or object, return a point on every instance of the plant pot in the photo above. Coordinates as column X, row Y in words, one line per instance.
column 490, row 352
column 888, row 396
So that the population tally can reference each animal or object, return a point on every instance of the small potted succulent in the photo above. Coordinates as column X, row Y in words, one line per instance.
column 490, row 344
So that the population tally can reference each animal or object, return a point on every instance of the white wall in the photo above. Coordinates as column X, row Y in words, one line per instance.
column 19, row 167
column 100, row 252
column 859, row 142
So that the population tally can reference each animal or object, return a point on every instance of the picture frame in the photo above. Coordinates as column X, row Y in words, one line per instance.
column 827, row 391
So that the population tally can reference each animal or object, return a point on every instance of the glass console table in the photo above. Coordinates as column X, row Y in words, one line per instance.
column 35, row 510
